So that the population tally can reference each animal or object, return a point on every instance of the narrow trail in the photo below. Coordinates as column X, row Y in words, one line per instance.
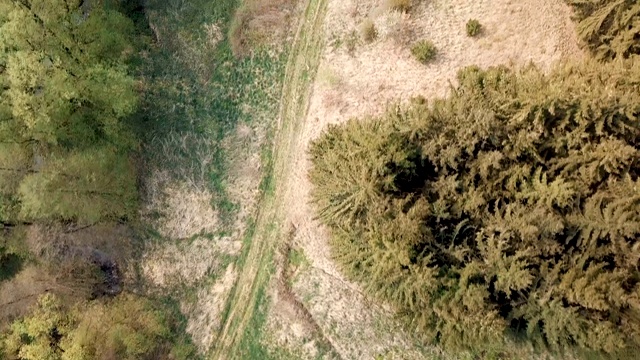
column 269, row 229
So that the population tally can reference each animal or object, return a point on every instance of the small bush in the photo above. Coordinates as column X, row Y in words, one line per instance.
column 424, row 51
column 399, row 5
column 368, row 31
column 473, row 27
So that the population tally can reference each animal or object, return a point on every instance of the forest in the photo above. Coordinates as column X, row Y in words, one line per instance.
column 69, row 147
column 505, row 217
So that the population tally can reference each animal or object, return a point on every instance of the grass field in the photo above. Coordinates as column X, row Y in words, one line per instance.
column 196, row 95
column 197, row 92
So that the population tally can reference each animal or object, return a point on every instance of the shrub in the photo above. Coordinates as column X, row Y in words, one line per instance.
column 473, row 27
column 399, row 5
column 610, row 28
column 508, row 211
column 368, row 31
column 424, row 51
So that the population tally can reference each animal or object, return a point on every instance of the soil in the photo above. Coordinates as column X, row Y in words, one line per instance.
column 357, row 80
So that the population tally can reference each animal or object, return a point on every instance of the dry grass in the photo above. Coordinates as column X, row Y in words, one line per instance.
column 258, row 23
column 327, row 76
column 368, row 31
column 399, row 5
column 205, row 312
column 181, row 209
column 175, row 264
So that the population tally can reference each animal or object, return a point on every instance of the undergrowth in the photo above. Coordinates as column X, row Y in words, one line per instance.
column 196, row 91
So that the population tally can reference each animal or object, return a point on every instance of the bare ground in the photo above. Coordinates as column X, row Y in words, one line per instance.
column 356, row 79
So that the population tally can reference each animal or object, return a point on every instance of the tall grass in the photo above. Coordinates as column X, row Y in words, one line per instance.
column 196, row 91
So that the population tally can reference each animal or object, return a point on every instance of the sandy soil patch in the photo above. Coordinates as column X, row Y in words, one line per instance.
column 357, row 80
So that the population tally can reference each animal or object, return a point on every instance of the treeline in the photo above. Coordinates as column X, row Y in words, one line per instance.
column 505, row 217
column 68, row 97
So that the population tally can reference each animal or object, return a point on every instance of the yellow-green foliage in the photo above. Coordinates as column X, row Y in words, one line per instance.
column 611, row 28
column 509, row 210
column 65, row 95
column 126, row 327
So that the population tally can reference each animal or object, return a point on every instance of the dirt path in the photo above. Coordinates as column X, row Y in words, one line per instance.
column 357, row 80
column 299, row 75
column 359, row 83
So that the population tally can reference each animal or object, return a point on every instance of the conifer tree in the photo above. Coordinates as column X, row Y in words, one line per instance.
column 610, row 28
column 510, row 209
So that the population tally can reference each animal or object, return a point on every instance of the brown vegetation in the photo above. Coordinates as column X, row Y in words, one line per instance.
column 258, row 23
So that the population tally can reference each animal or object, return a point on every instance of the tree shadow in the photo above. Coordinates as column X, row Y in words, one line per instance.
column 10, row 265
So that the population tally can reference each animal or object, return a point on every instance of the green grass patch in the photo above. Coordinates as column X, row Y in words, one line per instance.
column 254, row 343
column 196, row 92
column 297, row 258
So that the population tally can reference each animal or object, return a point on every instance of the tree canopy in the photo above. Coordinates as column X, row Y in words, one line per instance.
column 510, row 209
column 65, row 95
column 611, row 29
column 126, row 327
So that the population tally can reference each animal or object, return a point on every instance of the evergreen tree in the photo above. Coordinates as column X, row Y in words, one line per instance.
column 510, row 209
column 611, row 28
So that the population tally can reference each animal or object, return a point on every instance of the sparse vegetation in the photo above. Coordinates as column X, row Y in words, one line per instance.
column 368, row 31
column 473, row 28
column 351, row 42
column 255, row 23
column 505, row 212
column 424, row 51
